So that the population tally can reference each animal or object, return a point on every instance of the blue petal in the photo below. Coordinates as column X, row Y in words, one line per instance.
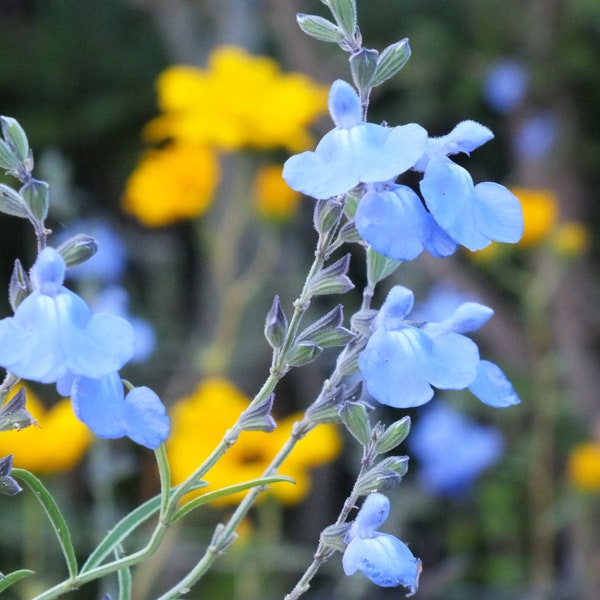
column 393, row 222
column 48, row 272
column 396, row 367
column 450, row 196
column 383, row 559
column 452, row 362
column 492, row 387
column 99, row 404
column 465, row 137
column 397, row 306
column 467, row 317
column 437, row 242
column 344, row 105
column 146, row 418
column 499, row 213
column 372, row 515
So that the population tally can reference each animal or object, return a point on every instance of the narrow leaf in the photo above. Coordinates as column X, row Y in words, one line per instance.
column 7, row 580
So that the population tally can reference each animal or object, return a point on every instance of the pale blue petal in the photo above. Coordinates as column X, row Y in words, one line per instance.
column 492, row 387
column 499, row 213
column 450, row 196
column 344, row 105
column 398, row 304
column 372, row 515
column 436, row 241
column 48, row 271
column 453, row 361
column 383, row 559
column 146, row 418
column 467, row 317
column 99, row 403
column 465, row 137
column 393, row 222
column 396, row 367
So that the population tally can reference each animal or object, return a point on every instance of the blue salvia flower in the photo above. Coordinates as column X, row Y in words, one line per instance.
column 452, row 450
column 403, row 361
column 381, row 557
column 103, row 406
column 472, row 215
column 54, row 335
column 354, row 152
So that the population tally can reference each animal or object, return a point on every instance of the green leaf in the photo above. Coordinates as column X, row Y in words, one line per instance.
column 15, row 137
column 393, row 436
column 379, row 267
column 54, row 515
column 390, row 61
column 12, row 203
column 120, row 532
column 7, row 580
column 320, row 28
column 227, row 491
column 124, row 578
column 344, row 12
column 354, row 416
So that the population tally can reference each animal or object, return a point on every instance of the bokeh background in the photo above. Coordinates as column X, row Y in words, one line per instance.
column 507, row 503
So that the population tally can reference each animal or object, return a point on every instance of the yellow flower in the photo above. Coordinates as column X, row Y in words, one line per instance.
column 274, row 198
column 584, row 467
column 540, row 214
column 56, row 444
column 173, row 183
column 239, row 100
column 199, row 422
column 570, row 239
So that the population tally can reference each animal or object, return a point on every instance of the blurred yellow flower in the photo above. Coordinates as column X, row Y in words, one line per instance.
column 274, row 198
column 239, row 100
column 198, row 423
column 540, row 213
column 570, row 239
column 56, row 444
column 584, row 467
column 172, row 183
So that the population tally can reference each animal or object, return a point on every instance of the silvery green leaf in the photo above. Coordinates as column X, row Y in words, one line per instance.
column 320, row 28
column 302, row 353
column 77, row 249
column 354, row 416
column 12, row 203
column 393, row 436
column 349, row 234
column 362, row 321
column 344, row 12
column 37, row 197
column 328, row 330
column 362, row 66
column 14, row 415
column 15, row 138
column 8, row 485
column 332, row 279
column 347, row 362
column 325, row 409
column 8, row 160
column 379, row 267
column 390, row 61
column 19, row 287
column 334, row 536
column 327, row 214
column 385, row 475
column 258, row 417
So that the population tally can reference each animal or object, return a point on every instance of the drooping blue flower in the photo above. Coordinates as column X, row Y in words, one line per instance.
column 381, row 557
column 404, row 360
column 452, row 450
column 354, row 152
column 392, row 219
column 472, row 215
column 54, row 334
column 102, row 405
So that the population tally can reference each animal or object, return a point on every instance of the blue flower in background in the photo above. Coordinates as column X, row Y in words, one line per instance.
column 403, row 361
column 54, row 335
column 536, row 136
column 354, row 152
column 381, row 557
column 102, row 405
column 452, row 450
column 505, row 85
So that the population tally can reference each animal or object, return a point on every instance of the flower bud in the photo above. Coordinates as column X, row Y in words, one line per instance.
column 78, row 249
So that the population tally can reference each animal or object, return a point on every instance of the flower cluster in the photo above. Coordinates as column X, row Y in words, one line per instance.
column 390, row 217
column 82, row 354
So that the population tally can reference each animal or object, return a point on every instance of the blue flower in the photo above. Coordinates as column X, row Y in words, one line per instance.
column 505, row 85
column 404, row 360
column 53, row 334
column 102, row 405
column 452, row 450
column 381, row 557
column 392, row 219
column 354, row 152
